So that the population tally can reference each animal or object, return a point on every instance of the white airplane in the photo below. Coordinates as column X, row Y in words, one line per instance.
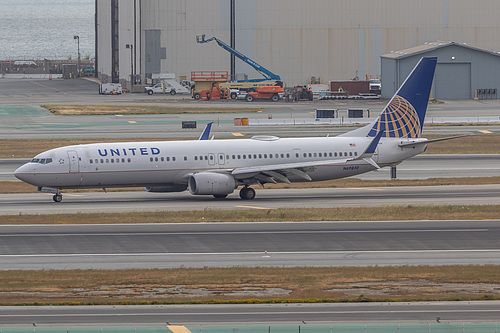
column 218, row 167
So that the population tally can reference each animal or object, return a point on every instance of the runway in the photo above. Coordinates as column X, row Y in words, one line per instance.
column 231, row 314
column 90, row 202
column 249, row 244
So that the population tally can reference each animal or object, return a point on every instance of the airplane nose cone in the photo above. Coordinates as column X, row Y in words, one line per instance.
column 23, row 172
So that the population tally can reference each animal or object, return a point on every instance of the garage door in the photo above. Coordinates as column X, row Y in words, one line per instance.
column 453, row 81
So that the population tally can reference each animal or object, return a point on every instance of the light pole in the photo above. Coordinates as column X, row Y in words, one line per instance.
column 132, row 76
column 78, row 39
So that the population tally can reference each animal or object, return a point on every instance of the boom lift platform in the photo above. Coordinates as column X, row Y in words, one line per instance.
column 267, row 74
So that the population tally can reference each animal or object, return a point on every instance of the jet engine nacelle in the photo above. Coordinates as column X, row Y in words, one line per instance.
column 211, row 183
column 168, row 188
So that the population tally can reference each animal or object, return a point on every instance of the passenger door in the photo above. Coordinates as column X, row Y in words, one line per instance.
column 74, row 161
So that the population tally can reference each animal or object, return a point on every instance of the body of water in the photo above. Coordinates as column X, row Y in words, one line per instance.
column 45, row 29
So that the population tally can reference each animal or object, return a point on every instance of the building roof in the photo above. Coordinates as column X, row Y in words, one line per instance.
column 427, row 47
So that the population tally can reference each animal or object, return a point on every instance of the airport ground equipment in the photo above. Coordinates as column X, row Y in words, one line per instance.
column 110, row 88
column 267, row 74
column 204, row 80
column 167, row 85
column 275, row 93
column 215, row 92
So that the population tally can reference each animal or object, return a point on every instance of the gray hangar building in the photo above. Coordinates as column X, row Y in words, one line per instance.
column 296, row 39
column 461, row 70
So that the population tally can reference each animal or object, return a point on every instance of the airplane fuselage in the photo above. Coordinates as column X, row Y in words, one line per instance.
column 169, row 163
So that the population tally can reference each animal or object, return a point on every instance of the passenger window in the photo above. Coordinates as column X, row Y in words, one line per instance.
column 91, row 161
column 260, row 155
column 305, row 155
column 117, row 160
column 239, row 157
column 330, row 154
column 196, row 158
column 129, row 160
column 310, row 155
column 156, row 159
column 244, row 157
column 112, row 160
column 211, row 158
column 287, row 155
column 173, row 158
column 107, row 160
column 150, row 159
column 320, row 155
column 355, row 153
column 96, row 161
column 185, row 158
column 162, row 159
column 255, row 156
column 234, row 157
column 265, row 155
column 350, row 153
column 335, row 154
column 282, row 155
column 227, row 157
column 102, row 161
column 168, row 159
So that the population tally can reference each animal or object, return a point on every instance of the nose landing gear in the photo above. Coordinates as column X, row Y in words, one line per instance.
column 57, row 197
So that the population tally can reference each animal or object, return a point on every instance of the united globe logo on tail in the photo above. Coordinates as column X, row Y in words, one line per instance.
column 399, row 119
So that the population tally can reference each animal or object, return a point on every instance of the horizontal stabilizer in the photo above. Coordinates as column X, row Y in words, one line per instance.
column 424, row 141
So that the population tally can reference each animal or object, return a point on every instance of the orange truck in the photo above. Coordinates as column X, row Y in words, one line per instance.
column 275, row 93
column 215, row 92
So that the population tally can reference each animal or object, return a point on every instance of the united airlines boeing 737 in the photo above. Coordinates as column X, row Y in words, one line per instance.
column 218, row 167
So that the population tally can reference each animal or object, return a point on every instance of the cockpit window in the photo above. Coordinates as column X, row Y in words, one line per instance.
column 42, row 160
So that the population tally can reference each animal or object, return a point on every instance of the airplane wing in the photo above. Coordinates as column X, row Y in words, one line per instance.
column 281, row 172
column 206, row 132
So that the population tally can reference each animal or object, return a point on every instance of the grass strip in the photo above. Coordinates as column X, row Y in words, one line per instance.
column 250, row 285
column 18, row 148
column 405, row 213
column 81, row 110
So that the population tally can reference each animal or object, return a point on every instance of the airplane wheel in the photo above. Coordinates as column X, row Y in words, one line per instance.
column 57, row 197
column 247, row 193
column 220, row 196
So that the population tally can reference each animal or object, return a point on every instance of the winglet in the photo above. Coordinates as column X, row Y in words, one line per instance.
column 206, row 132
column 370, row 150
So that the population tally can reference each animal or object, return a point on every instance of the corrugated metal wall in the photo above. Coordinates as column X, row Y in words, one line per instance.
column 297, row 39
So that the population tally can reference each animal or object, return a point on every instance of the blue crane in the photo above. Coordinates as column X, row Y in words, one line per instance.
column 267, row 74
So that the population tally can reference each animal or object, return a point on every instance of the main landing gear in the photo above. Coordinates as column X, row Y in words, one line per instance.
column 57, row 197
column 247, row 193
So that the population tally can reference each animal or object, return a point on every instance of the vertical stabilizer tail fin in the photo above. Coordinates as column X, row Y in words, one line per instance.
column 404, row 115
